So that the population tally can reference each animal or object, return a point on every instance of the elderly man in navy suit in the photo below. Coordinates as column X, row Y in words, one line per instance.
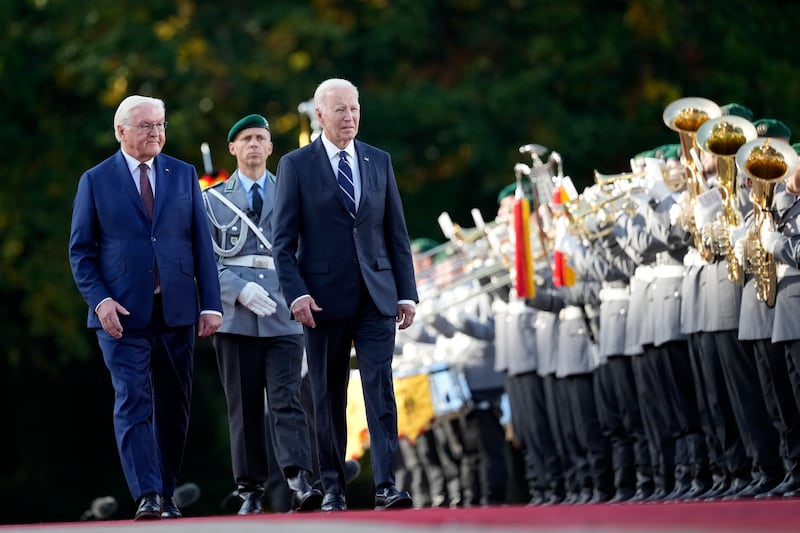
column 141, row 255
column 344, row 263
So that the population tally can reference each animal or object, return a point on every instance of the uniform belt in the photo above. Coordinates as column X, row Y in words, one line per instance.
column 608, row 294
column 644, row 273
column 783, row 270
column 670, row 271
column 252, row 261
column 570, row 313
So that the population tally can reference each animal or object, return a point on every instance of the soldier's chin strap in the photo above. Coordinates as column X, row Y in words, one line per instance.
column 243, row 216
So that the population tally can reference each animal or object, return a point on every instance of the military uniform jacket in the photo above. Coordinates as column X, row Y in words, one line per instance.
column 786, row 326
column 515, row 338
column 694, row 299
column 233, row 238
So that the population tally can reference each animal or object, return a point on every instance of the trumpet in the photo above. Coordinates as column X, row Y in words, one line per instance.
column 766, row 162
column 685, row 116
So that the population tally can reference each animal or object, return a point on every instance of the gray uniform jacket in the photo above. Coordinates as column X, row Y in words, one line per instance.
column 232, row 238
column 786, row 252
column 515, row 337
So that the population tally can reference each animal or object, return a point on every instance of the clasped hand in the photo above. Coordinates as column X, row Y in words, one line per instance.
column 256, row 298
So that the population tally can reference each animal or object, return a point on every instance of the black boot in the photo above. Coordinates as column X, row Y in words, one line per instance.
column 701, row 482
column 683, row 482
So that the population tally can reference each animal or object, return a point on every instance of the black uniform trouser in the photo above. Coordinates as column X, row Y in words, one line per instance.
column 555, row 421
column 627, row 436
column 450, row 451
column 747, row 399
column 690, row 442
column 484, row 445
column 589, row 431
column 577, row 466
column 724, row 441
column 772, row 361
column 531, row 427
column 650, row 373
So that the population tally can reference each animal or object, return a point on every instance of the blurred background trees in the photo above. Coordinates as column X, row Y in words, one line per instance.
column 451, row 88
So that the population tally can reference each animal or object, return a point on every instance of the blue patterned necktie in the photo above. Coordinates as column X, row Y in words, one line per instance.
column 345, row 179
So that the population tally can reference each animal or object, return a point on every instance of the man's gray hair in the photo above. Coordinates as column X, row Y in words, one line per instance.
column 326, row 86
column 123, row 114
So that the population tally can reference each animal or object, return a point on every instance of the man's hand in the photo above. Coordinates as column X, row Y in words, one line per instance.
column 209, row 324
column 405, row 315
column 108, row 312
column 256, row 298
column 303, row 311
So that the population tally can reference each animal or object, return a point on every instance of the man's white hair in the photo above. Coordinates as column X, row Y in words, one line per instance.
column 326, row 86
column 126, row 107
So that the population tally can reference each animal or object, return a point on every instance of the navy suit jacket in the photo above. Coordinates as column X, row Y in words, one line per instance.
column 322, row 251
column 114, row 247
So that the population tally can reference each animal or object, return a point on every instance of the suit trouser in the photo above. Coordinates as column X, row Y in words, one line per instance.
column 747, row 399
column 151, row 371
column 250, row 367
column 328, row 352
column 531, row 426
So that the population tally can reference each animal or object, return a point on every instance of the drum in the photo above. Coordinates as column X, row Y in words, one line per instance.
column 449, row 391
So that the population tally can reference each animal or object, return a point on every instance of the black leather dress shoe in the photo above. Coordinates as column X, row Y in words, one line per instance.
column 169, row 509
column 304, row 496
column 391, row 498
column 149, row 508
column 251, row 502
column 333, row 501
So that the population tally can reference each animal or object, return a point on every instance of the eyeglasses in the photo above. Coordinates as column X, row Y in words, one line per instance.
column 147, row 127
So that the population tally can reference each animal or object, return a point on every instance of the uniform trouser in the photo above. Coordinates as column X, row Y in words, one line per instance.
column 450, row 451
column 589, row 431
column 484, row 444
column 772, row 361
column 623, row 421
column 432, row 468
column 690, row 442
column 248, row 367
column 650, row 372
column 410, row 474
column 726, row 448
column 747, row 399
column 554, row 420
column 532, row 429
column 576, row 464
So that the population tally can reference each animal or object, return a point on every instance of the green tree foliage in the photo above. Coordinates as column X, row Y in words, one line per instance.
column 450, row 87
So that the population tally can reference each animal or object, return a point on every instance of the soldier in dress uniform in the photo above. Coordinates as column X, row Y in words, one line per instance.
column 259, row 347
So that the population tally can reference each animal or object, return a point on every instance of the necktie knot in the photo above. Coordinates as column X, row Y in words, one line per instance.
column 345, row 178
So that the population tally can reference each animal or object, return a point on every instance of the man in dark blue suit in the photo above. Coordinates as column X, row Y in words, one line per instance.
column 141, row 254
column 344, row 263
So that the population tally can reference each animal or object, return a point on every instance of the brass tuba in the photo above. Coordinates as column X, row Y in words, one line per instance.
column 722, row 137
column 767, row 162
column 685, row 116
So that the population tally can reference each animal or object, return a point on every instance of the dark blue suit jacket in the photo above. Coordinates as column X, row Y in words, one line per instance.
column 114, row 247
column 321, row 251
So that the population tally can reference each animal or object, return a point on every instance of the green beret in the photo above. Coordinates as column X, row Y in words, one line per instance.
column 737, row 110
column 508, row 190
column 668, row 151
column 250, row 121
column 645, row 154
column 422, row 245
column 770, row 127
column 796, row 147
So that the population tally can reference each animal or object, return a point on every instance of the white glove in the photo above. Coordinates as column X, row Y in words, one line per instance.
column 675, row 211
column 255, row 298
column 768, row 237
column 654, row 181
column 738, row 251
column 562, row 234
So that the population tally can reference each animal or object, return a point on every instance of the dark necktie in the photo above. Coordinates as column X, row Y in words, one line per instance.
column 345, row 179
column 146, row 191
column 258, row 202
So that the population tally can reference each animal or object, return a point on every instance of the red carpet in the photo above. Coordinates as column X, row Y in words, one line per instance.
column 755, row 516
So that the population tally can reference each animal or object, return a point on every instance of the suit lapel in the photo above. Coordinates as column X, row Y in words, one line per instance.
column 126, row 184
column 367, row 174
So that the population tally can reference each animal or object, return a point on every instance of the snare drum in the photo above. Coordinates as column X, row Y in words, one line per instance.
column 449, row 391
